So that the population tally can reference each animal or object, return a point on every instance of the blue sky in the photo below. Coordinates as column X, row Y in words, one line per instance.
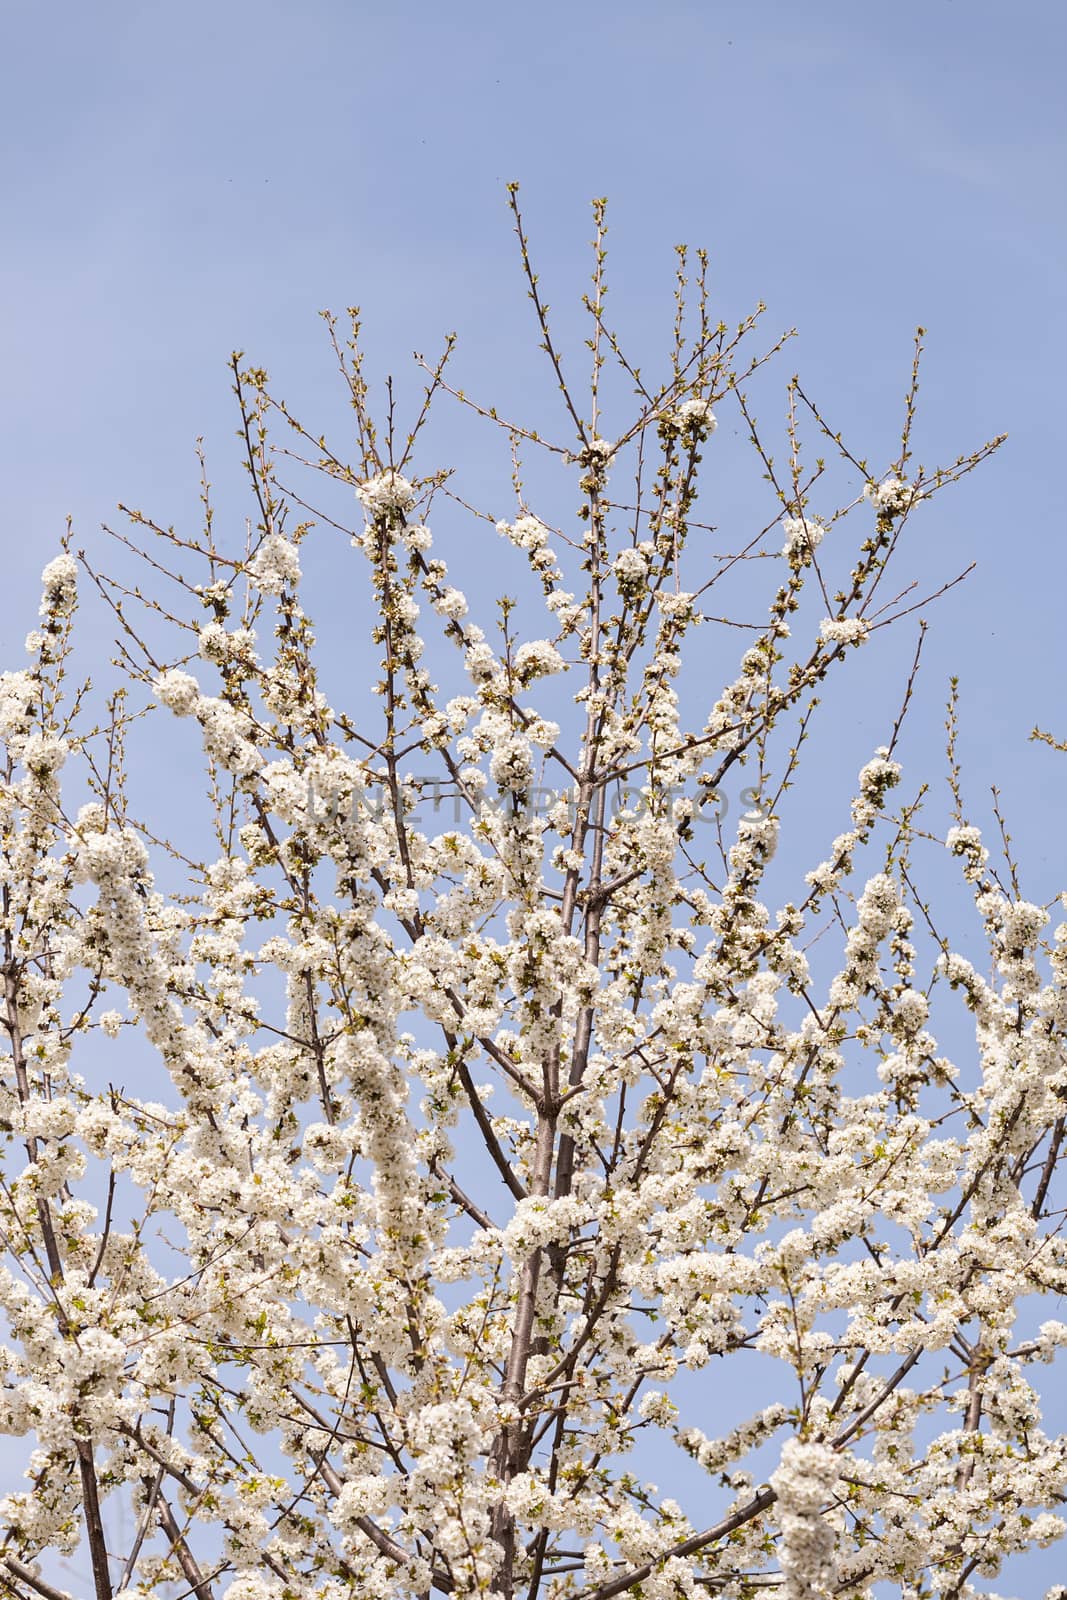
column 178, row 181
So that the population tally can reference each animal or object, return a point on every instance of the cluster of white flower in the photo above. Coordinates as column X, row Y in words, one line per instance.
column 879, row 776
column 967, row 843
column 631, row 565
column 178, row 691
column 910, row 1010
column 693, row 418
column 482, row 663
column 229, row 737
column 18, row 692
column 387, row 494
column 843, row 630
column 542, row 733
column 416, row 536
column 451, row 603
column 511, row 766
column 1021, row 924
column 525, row 533
column 233, row 650
column 803, row 535
column 59, row 584
column 806, row 1479
column 757, row 840
column 597, row 452
column 878, row 914
column 892, row 496
column 529, row 533
column 676, row 607
column 275, row 565
column 537, row 658
column 364, row 1494
column 714, row 1455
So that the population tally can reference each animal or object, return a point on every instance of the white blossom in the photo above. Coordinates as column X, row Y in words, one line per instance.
column 805, row 1480
column 694, row 417
column 59, row 584
column 275, row 565
column 178, row 691
column 803, row 535
column 843, row 630
column 18, row 692
column 892, row 495
column 386, row 494
column 537, row 659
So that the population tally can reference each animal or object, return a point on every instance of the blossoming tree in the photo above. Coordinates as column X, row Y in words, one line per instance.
column 484, row 1157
